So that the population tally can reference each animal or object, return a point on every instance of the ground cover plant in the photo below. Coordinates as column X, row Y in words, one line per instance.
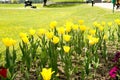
column 72, row 49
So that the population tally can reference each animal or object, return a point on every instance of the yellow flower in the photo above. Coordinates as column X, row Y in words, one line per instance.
column 32, row 31
column 83, row 28
column 41, row 32
column 8, row 42
column 105, row 37
column 117, row 21
column 98, row 25
column 61, row 30
column 23, row 35
column 103, row 23
column 68, row 26
column 47, row 73
column 53, row 24
column 66, row 48
column 93, row 40
column 25, row 39
column 81, row 22
column 68, row 29
column 109, row 23
column 13, row 42
column 55, row 39
column 75, row 27
column 66, row 37
column 96, row 40
column 49, row 35
column 95, row 23
column 92, row 32
column 101, row 28
column 89, row 36
column 69, row 23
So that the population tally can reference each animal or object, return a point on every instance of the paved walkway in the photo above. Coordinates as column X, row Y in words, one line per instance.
column 106, row 5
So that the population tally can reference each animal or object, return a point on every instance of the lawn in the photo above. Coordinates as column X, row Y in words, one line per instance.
column 14, row 18
column 66, row 0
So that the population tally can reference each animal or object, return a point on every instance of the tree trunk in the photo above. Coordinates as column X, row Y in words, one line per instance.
column 44, row 2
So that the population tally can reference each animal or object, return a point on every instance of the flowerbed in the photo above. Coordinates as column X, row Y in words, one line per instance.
column 74, row 51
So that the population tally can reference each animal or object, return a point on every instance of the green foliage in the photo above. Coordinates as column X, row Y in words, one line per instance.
column 14, row 1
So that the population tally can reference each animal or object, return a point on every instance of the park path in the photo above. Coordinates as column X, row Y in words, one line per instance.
column 106, row 5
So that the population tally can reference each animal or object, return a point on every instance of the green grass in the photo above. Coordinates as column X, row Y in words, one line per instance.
column 14, row 18
column 16, row 5
column 67, row 0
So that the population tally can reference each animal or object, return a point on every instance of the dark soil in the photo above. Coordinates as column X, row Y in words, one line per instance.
column 102, row 72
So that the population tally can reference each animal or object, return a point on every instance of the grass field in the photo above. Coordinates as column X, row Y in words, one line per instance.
column 14, row 18
column 66, row 0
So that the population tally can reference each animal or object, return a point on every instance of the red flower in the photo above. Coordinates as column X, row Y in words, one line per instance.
column 113, row 72
column 117, row 56
column 3, row 72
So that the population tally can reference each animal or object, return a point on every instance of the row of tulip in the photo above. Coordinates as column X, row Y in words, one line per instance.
column 73, row 48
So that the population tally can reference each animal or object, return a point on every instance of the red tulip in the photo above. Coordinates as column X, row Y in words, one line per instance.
column 3, row 72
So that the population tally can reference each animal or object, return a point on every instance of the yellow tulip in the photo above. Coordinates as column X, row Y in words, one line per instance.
column 8, row 42
column 32, row 31
column 101, row 28
column 105, row 37
column 83, row 28
column 23, row 35
column 109, row 23
column 103, row 23
column 13, row 42
column 53, row 24
column 68, row 29
column 96, row 40
column 95, row 23
column 66, row 37
column 93, row 40
column 81, row 22
column 68, row 26
column 98, row 25
column 55, row 39
column 49, row 35
column 66, row 48
column 117, row 21
column 92, row 32
column 89, row 36
column 75, row 27
column 47, row 73
column 41, row 32
column 25, row 39
column 61, row 30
